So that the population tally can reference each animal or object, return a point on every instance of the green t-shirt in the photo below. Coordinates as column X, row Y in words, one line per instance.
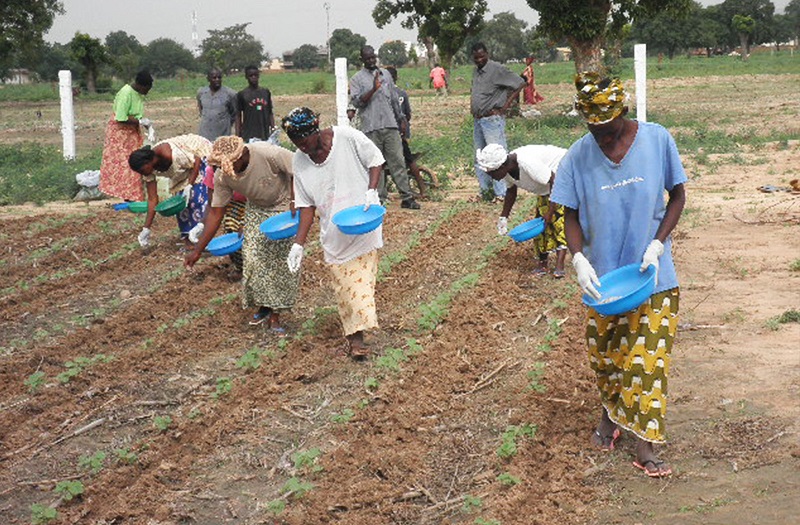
column 128, row 102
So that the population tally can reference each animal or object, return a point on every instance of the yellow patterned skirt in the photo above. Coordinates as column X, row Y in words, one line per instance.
column 630, row 355
column 354, row 286
column 554, row 237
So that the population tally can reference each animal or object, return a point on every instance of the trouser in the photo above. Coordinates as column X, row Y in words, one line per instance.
column 489, row 130
column 389, row 142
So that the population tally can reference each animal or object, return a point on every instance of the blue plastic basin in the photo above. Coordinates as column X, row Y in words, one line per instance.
column 356, row 221
column 225, row 244
column 623, row 290
column 281, row 226
column 527, row 230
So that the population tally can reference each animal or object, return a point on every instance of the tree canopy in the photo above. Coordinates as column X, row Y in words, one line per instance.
column 344, row 43
column 307, row 57
column 393, row 53
column 125, row 52
column 505, row 37
column 231, row 48
column 22, row 25
column 588, row 25
column 447, row 22
column 164, row 57
column 91, row 54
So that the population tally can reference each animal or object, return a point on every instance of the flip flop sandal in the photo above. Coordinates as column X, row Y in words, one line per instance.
column 278, row 331
column 260, row 316
column 359, row 352
column 658, row 473
column 559, row 274
column 614, row 437
column 538, row 272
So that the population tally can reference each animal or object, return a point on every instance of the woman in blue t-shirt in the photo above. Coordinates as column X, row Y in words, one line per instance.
column 611, row 183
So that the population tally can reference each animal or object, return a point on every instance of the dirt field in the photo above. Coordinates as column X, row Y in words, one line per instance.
column 483, row 419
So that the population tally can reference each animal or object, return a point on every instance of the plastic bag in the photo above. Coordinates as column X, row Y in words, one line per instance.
column 90, row 193
column 88, row 178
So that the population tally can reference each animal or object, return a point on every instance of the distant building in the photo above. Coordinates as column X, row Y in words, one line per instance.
column 17, row 76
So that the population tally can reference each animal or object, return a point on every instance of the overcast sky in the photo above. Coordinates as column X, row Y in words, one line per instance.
column 281, row 25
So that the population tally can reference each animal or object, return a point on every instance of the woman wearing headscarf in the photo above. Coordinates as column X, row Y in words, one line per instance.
column 612, row 184
column 530, row 95
column 182, row 160
column 122, row 137
column 262, row 173
column 336, row 168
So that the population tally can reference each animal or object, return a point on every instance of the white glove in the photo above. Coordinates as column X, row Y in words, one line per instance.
column 187, row 193
column 295, row 256
column 144, row 237
column 145, row 122
column 371, row 198
column 151, row 135
column 196, row 232
column 587, row 277
column 654, row 250
column 502, row 226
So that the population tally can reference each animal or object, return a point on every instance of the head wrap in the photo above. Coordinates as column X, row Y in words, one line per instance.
column 600, row 100
column 491, row 157
column 300, row 123
column 225, row 152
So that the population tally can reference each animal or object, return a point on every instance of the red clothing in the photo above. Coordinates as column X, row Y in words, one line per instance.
column 208, row 180
column 438, row 76
column 529, row 93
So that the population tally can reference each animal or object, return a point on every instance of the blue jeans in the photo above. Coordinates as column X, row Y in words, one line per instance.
column 489, row 130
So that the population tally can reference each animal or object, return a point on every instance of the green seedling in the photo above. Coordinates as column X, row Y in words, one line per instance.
column 471, row 503
column 41, row 514
column 296, row 488
column 535, row 377
column 251, row 359
column 162, row 423
column 795, row 265
column 35, row 381
column 307, row 460
column 508, row 447
column 69, row 489
column 94, row 462
column 224, row 386
column 391, row 359
column 508, row 480
column 124, row 455
column 194, row 414
column 371, row 383
column 362, row 404
column 346, row 415
column 481, row 521
column 79, row 364
column 276, row 507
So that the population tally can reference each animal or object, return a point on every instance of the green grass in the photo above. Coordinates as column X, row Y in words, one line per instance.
column 33, row 173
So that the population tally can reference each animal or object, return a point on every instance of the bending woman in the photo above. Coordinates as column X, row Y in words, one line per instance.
column 181, row 159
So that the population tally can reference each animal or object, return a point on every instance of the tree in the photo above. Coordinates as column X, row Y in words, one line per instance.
column 504, row 36
column 125, row 52
column 22, row 24
column 91, row 54
column 744, row 26
column 307, row 57
column 344, row 43
column 54, row 58
column 163, row 57
column 792, row 12
column 393, row 53
column 668, row 33
column 587, row 28
column 760, row 11
column 446, row 22
column 232, row 48
column 783, row 30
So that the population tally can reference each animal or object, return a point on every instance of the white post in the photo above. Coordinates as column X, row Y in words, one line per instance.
column 640, row 71
column 67, row 113
column 340, row 68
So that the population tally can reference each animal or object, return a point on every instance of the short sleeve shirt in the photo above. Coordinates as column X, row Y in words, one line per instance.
column 491, row 86
column 338, row 183
column 217, row 111
column 256, row 108
column 128, row 103
column 266, row 182
column 536, row 164
column 620, row 206
column 185, row 149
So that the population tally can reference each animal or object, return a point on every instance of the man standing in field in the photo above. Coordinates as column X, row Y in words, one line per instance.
column 217, row 106
column 372, row 92
column 494, row 88
column 255, row 120
column 438, row 80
